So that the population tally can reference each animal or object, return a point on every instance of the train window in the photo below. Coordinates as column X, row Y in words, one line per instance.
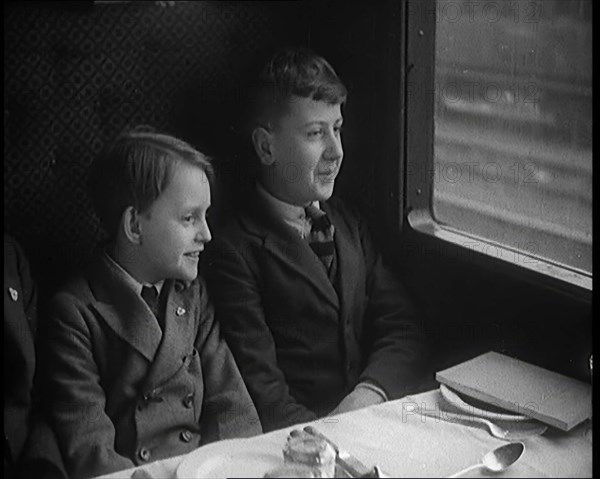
column 508, row 168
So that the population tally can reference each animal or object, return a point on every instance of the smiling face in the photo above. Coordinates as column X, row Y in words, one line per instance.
column 174, row 230
column 305, row 152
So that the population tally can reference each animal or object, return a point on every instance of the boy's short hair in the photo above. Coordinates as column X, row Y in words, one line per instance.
column 292, row 71
column 135, row 169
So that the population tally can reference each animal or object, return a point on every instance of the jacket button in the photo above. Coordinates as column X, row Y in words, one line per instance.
column 188, row 401
column 185, row 435
column 144, row 454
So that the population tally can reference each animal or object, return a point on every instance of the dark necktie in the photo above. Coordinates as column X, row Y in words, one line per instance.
column 321, row 235
column 150, row 295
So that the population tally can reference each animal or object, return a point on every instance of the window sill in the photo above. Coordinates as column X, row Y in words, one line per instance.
column 421, row 221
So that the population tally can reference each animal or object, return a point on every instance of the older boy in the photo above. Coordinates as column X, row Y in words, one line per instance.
column 137, row 368
column 316, row 323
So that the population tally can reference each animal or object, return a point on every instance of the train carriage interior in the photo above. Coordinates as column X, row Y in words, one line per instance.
column 468, row 149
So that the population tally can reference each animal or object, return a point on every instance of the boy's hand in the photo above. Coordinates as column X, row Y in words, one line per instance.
column 357, row 399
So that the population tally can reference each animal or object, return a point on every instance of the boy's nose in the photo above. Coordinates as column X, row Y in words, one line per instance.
column 203, row 235
column 334, row 149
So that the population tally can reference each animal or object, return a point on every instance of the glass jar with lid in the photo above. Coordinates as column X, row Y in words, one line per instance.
column 312, row 451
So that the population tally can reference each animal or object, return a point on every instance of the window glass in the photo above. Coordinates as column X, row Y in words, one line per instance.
column 513, row 126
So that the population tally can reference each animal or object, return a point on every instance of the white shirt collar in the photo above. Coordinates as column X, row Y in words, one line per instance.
column 130, row 280
column 292, row 215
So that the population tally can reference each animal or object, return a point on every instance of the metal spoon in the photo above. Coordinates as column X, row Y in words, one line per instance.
column 518, row 430
column 498, row 459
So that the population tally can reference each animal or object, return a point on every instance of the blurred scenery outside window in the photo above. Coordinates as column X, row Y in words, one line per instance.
column 513, row 127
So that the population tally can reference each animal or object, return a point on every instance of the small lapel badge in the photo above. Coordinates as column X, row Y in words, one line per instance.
column 14, row 294
column 180, row 311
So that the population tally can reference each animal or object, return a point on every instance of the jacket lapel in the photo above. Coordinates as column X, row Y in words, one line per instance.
column 123, row 309
column 347, row 274
column 179, row 332
column 287, row 246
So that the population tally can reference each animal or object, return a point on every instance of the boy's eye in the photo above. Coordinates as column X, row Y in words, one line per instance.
column 315, row 133
column 188, row 218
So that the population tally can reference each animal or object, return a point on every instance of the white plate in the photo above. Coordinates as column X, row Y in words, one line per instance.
column 453, row 398
column 230, row 458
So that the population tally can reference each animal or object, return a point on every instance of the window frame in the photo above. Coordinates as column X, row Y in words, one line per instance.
column 418, row 167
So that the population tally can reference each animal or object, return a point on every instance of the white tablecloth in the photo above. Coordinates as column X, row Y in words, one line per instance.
column 405, row 444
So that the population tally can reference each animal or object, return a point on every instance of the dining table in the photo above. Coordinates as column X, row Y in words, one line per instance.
column 393, row 436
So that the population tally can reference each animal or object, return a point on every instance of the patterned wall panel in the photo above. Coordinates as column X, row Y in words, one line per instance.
column 76, row 77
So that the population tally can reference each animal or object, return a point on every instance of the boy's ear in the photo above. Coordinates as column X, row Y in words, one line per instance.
column 130, row 222
column 262, row 140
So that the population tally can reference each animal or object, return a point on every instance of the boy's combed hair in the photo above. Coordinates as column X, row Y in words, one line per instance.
column 293, row 72
column 135, row 169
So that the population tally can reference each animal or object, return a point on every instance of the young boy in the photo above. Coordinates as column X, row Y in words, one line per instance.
column 136, row 367
column 319, row 325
